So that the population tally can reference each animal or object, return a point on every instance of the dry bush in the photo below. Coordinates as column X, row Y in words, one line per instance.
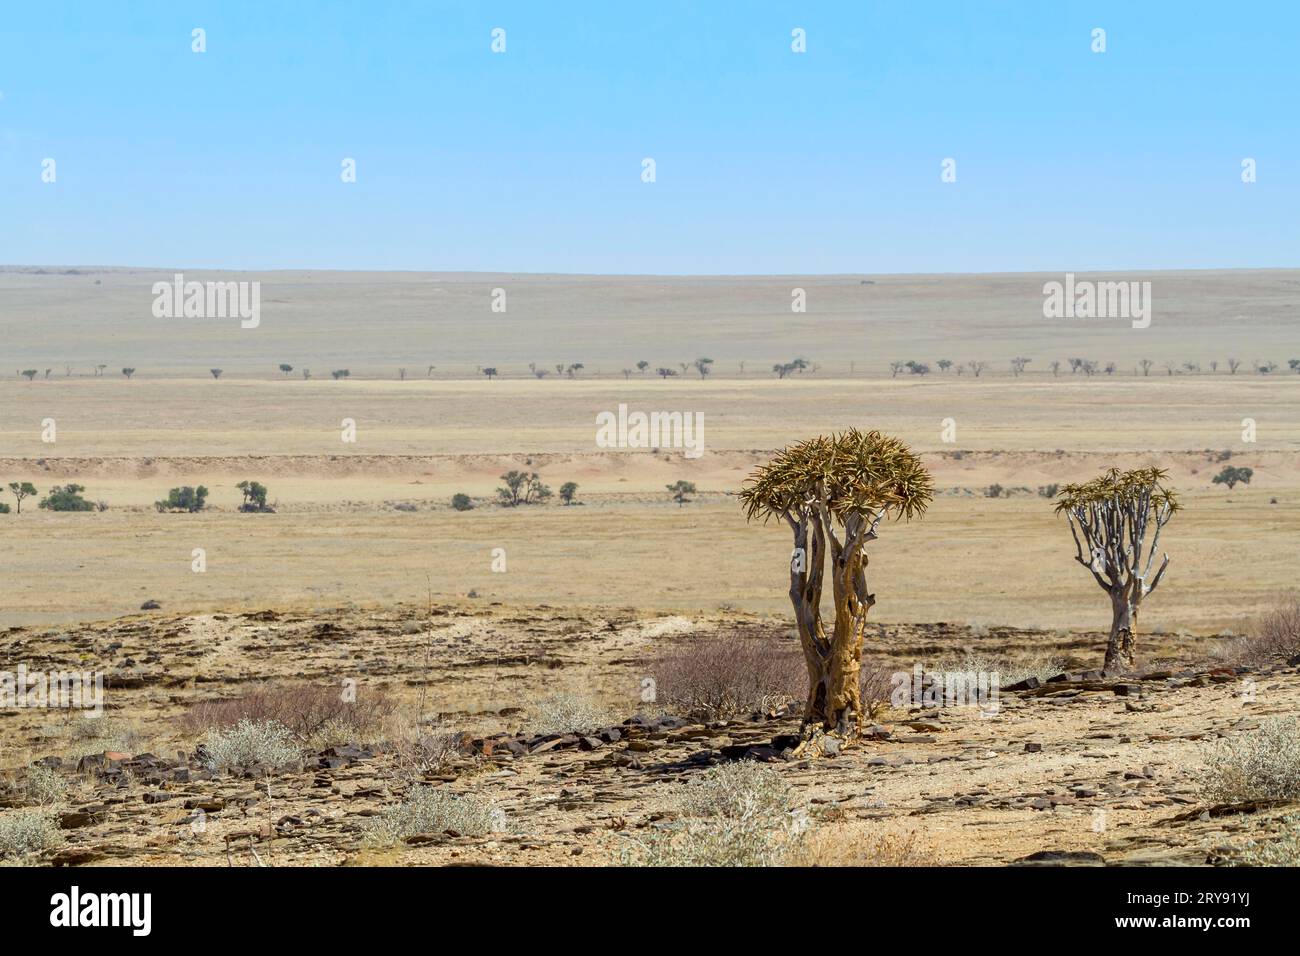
column 83, row 736
column 731, row 815
column 566, row 714
column 729, row 675
column 1275, row 636
column 1282, row 850
column 725, row 675
column 250, row 743
column 1261, row 764
column 430, row 810
column 316, row 716
column 27, row 831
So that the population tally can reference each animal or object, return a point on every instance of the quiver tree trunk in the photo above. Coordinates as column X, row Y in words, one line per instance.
column 834, row 700
column 1121, row 654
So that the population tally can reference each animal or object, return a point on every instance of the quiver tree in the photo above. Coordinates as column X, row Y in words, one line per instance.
column 834, row 493
column 1109, row 518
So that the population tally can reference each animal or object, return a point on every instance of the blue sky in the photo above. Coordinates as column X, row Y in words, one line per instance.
column 767, row 161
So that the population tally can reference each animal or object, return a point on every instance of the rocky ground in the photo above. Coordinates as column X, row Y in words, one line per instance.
column 1078, row 770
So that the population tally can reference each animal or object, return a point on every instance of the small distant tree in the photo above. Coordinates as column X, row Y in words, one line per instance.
column 944, row 364
column 286, row 369
column 461, row 502
column 704, row 366
column 184, row 499
column 99, row 370
column 1109, row 519
column 574, row 369
column 306, row 374
column 128, row 372
column 429, row 373
column 918, row 368
column 680, row 489
column 21, row 490
column 1146, row 366
column 522, row 488
column 401, row 374
column 340, row 373
column 491, row 373
column 568, row 492
column 627, row 373
column 1263, row 368
column 977, row 366
column 1110, row 368
column 254, row 497
column 1232, row 475
column 66, row 498
column 28, row 373
column 993, row 491
column 1294, row 365
column 216, row 372
column 1018, row 365
column 1233, row 365
column 665, row 373
column 642, row 365
column 895, row 368
column 1055, row 366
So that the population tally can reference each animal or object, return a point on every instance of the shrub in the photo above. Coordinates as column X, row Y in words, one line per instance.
column 249, row 743
column 254, row 497
column 430, row 810
column 43, row 786
column 28, row 831
column 731, row 815
column 1283, row 851
column 66, row 498
column 569, row 492
column 1231, row 475
column 91, row 735
column 461, row 502
column 305, row 710
column 1276, row 635
column 566, row 714
column 184, row 499
column 1262, row 764
column 721, row 676
column 4, row 508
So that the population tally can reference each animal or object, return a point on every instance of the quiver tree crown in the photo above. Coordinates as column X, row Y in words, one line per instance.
column 851, row 474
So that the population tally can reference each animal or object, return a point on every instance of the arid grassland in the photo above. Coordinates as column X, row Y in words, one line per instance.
column 499, row 650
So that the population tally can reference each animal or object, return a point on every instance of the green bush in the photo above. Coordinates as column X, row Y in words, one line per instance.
column 184, row 499
column 254, row 496
column 66, row 498
column 461, row 502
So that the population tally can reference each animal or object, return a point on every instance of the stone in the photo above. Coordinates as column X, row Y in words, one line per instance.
column 1033, row 748
column 150, row 605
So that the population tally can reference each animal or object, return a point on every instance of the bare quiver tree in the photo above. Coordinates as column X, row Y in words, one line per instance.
column 1110, row 517
column 834, row 493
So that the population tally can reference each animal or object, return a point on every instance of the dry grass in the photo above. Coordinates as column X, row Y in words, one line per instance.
column 849, row 846
column 717, row 677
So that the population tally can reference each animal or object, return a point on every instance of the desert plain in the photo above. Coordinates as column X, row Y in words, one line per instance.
column 471, row 620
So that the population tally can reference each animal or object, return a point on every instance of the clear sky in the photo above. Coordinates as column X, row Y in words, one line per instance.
column 767, row 161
